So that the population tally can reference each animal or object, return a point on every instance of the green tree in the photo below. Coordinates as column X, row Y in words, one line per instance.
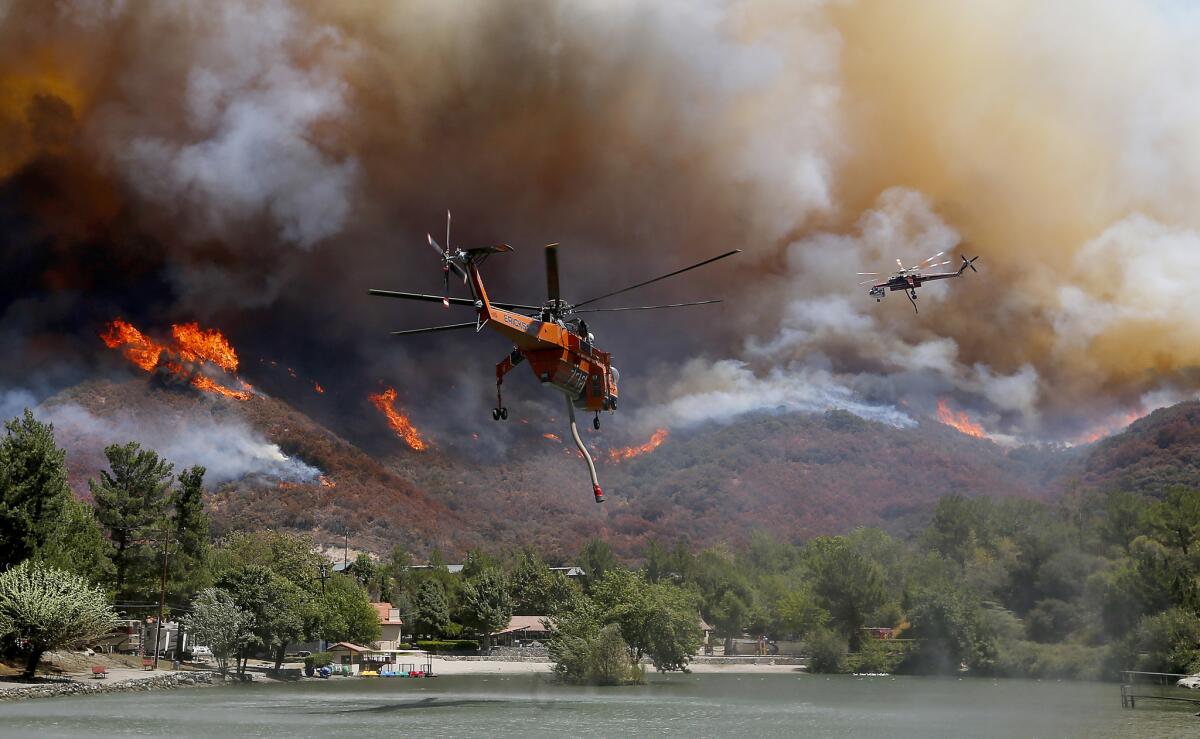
column 950, row 630
column 38, row 515
column 218, row 623
column 342, row 613
column 585, row 651
column 131, row 499
column 432, row 612
column 729, row 618
column 800, row 613
column 659, row 620
column 951, row 532
column 486, row 604
column 848, row 585
column 596, row 558
column 190, row 523
column 275, row 603
column 364, row 570
column 291, row 556
column 43, row 608
column 537, row 590
column 1175, row 521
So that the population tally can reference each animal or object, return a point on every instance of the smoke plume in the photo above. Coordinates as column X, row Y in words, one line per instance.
column 257, row 164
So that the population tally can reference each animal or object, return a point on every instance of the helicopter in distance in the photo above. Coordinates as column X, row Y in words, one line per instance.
column 909, row 279
column 553, row 337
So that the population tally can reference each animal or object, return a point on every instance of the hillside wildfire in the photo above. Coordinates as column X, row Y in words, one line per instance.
column 186, row 358
column 385, row 402
column 629, row 452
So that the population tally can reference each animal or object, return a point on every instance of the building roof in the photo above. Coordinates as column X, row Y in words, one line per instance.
column 523, row 623
column 449, row 568
column 384, row 610
column 572, row 571
column 350, row 647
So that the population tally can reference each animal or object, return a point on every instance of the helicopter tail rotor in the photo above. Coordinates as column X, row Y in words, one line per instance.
column 967, row 263
column 448, row 263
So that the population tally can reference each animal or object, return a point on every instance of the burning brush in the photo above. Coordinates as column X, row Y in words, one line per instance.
column 191, row 351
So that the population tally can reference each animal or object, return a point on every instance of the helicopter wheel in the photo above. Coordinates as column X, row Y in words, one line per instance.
column 503, row 414
column 495, row 414
column 596, row 422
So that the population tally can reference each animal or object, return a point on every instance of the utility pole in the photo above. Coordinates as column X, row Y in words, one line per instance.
column 345, row 548
column 162, row 593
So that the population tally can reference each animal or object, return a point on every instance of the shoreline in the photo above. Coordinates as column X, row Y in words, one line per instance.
column 82, row 684
column 169, row 681
column 477, row 666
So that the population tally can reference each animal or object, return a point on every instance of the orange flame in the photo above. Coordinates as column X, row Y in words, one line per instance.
column 184, row 359
column 656, row 440
column 318, row 388
column 196, row 344
column 139, row 348
column 552, row 437
column 959, row 420
column 327, row 483
column 206, row 384
column 386, row 403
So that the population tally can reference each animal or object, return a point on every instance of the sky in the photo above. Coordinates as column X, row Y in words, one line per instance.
column 256, row 165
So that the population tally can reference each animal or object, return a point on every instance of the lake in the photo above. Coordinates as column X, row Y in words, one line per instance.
column 669, row 705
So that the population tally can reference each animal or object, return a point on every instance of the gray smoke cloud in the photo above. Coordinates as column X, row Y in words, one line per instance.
column 227, row 448
column 260, row 162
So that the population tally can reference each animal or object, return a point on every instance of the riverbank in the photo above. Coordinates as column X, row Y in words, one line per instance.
column 472, row 665
column 143, row 682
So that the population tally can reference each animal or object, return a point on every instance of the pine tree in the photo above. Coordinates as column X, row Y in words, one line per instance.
column 190, row 524
column 130, row 501
column 39, row 518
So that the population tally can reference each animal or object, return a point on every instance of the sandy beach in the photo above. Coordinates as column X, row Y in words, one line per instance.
column 499, row 667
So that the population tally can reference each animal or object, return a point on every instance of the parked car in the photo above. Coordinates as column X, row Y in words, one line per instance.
column 201, row 654
column 1191, row 682
column 303, row 653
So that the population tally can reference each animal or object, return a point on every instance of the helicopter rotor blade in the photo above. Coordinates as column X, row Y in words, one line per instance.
column 439, row 298
column 552, row 294
column 647, row 307
column 661, row 277
column 935, row 256
column 866, row 273
column 433, row 329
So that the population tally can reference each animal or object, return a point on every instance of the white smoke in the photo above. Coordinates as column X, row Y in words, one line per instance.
column 249, row 144
column 227, row 448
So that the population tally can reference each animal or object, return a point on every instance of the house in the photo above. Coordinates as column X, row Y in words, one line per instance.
column 390, row 627
column 522, row 630
column 572, row 571
column 452, row 569
column 350, row 655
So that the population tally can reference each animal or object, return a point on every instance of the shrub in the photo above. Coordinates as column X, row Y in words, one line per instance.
column 1060, row 661
column 314, row 662
column 875, row 655
column 594, row 658
column 449, row 645
column 826, row 652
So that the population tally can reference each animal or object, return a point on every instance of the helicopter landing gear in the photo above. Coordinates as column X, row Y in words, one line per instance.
column 596, row 421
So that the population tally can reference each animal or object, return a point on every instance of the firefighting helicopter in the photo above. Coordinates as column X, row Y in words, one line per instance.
column 909, row 279
column 553, row 337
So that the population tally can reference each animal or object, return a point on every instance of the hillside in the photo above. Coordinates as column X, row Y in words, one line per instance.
column 283, row 469
column 796, row 475
column 1155, row 453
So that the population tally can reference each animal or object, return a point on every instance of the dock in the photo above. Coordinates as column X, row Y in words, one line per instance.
column 1157, row 686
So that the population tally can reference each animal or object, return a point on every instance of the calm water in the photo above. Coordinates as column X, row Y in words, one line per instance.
column 678, row 705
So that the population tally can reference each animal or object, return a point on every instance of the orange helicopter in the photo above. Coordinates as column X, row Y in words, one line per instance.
column 555, row 340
